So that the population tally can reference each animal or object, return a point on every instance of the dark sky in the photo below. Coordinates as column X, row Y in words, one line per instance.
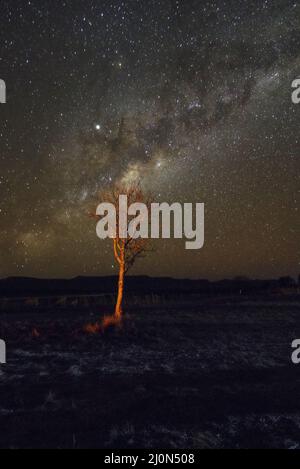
column 192, row 97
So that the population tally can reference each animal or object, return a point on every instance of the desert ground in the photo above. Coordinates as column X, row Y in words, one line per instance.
column 214, row 374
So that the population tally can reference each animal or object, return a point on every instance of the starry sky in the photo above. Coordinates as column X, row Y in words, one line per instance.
column 192, row 98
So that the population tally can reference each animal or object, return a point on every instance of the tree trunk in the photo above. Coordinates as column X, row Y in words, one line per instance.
column 119, row 310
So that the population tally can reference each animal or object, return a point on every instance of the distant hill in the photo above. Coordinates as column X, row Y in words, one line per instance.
column 18, row 286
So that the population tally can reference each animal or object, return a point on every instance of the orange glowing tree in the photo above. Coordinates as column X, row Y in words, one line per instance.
column 126, row 249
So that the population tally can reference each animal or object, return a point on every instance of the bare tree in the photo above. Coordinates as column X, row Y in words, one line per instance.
column 126, row 250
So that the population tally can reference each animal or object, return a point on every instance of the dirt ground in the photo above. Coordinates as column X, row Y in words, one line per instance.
column 213, row 375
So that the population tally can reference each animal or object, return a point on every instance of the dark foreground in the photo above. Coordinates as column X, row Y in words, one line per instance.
column 214, row 375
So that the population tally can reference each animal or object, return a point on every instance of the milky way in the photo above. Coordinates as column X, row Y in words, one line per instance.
column 191, row 98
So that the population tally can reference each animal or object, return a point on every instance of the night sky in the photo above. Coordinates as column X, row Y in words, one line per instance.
column 191, row 97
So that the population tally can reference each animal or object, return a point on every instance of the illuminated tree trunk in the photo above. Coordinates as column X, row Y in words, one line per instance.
column 119, row 309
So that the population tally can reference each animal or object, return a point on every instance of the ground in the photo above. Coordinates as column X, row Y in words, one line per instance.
column 217, row 374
